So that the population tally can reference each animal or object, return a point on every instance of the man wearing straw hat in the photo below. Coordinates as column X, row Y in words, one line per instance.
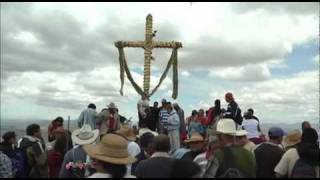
column 110, row 157
column 242, row 140
column 77, row 155
column 291, row 139
column 231, row 160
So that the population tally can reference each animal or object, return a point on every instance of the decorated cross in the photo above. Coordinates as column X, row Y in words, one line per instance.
column 148, row 45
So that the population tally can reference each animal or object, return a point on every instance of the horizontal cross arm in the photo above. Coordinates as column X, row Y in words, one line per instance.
column 161, row 44
column 137, row 44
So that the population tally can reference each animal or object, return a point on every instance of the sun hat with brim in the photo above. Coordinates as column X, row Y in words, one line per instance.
column 292, row 138
column 112, row 149
column 85, row 135
column 127, row 132
column 142, row 131
column 241, row 132
column 195, row 137
column 226, row 126
column 112, row 106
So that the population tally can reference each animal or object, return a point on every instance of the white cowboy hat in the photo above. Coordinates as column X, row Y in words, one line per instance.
column 145, row 130
column 226, row 126
column 85, row 135
column 112, row 106
column 112, row 149
column 241, row 132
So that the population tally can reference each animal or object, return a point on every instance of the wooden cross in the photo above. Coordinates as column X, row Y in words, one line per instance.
column 148, row 45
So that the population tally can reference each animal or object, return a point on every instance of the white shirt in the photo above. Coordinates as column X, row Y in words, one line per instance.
column 143, row 105
column 287, row 162
column 251, row 126
column 133, row 150
column 105, row 175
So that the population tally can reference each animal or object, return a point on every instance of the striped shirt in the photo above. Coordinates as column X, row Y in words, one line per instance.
column 163, row 117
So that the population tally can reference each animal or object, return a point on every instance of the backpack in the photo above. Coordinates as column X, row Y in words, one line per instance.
column 227, row 169
column 302, row 169
column 20, row 163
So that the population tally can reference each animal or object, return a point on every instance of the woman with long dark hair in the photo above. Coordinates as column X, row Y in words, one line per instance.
column 214, row 112
column 61, row 145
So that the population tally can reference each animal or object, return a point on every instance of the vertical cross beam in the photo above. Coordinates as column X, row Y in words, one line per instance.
column 147, row 54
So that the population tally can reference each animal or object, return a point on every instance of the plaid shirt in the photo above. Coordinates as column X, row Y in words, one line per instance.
column 5, row 166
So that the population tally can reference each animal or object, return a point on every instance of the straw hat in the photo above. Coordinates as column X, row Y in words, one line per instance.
column 241, row 132
column 85, row 135
column 112, row 106
column 226, row 126
column 112, row 149
column 127, row 132
column 145, row 130
column 292, row 138
column 195, row 137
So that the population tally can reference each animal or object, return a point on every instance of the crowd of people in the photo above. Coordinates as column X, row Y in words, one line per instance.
column 213, row 143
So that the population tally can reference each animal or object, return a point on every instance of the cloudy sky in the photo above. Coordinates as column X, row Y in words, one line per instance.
column 56, row 58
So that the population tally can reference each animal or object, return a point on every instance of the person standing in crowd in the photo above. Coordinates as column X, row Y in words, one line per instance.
column 163, row 118
column 88, row 116
column 159, row 165
column 153, row 119
column 202, row 118
column 173, row 127
column 133, row 147
column 56, row 123
column 305, row 125
column 108, row 120
column 55, row 155
column 233, row 110
column 35, row 150
column 230, row 155
column 302, row 161
column 184, row 168
column 110, row 157
column 251, row 111
column 195, row 125
column 5, row 166
column 143, row 105
column 183, row 133
column 196, row 145
column 80, row 137
column 252, row 127
column 193, row 117
column 242, row 140
column 214, row 113
column 292, row 139
column 147, row 149
column 268, row 154
column 8, row 145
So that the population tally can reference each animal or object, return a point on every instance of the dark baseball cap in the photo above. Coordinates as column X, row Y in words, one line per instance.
column 276, row 132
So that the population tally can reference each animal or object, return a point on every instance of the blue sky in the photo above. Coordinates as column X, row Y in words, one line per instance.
column 267, row 54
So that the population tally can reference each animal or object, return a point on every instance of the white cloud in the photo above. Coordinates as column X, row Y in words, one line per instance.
column 185, row 73
column 244, row 73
